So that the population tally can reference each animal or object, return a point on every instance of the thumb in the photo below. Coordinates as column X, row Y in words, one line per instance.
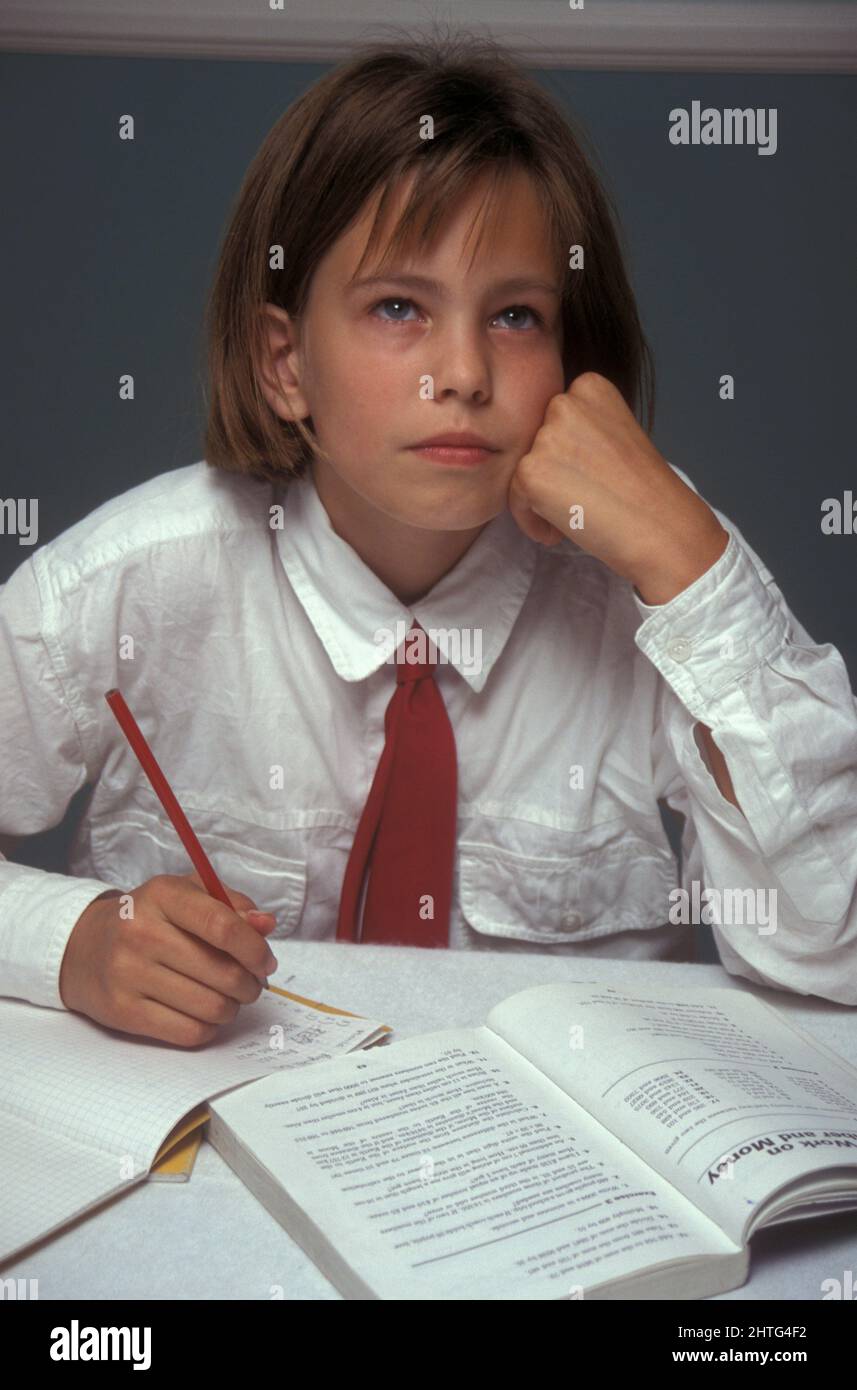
column 244, row 906
column 262, row 921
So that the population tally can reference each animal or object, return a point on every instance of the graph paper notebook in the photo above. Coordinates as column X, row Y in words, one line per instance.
column 177, row 1154
column 85, row 1110
column 588, row 1142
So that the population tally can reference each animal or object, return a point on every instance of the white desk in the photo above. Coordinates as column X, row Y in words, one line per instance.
column 209, row 1238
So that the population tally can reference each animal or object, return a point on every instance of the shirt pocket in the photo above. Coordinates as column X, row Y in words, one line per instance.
column 136, row 846
column 596, row 889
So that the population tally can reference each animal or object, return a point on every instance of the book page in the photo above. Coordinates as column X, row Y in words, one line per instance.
column 73, row 1087
column 445, row 1166
column 47, row 1181
column 711, row 1087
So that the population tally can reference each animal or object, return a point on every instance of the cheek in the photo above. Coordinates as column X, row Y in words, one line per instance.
column 529, row 387
column 369, row 366
column 347, row 393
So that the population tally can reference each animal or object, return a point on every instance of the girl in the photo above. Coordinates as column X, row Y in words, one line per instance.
column 434, row 628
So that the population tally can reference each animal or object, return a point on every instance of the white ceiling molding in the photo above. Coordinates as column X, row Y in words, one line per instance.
column 680, row 35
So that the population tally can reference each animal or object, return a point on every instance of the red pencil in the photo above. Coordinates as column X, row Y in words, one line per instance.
column 134, row 735
column 199, row 858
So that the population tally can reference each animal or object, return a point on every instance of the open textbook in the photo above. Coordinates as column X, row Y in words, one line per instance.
column 588, row 1142
column 86, row 1111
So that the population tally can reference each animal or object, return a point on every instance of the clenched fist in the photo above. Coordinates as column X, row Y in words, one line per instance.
column 591, row 453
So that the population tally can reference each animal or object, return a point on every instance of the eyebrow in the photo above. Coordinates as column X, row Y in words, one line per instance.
column 515, row 284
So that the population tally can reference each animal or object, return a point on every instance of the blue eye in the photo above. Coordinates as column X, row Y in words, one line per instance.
column 525, row 308
column 512, row 309
column 394, row 300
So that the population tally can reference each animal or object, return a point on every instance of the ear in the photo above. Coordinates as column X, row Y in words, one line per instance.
column 279, row 367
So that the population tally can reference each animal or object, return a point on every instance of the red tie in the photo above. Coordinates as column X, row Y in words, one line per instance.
column 407, row 832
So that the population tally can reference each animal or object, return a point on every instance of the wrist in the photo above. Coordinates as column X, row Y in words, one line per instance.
column 78, row 952
column 674, row 570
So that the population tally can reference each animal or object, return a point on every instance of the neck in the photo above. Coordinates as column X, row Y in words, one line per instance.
column 410, row 560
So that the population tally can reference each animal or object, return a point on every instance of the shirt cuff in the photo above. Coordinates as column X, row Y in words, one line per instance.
column 716, row 630
column 39, row 911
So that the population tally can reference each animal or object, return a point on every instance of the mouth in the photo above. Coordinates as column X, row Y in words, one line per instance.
column 464, row 449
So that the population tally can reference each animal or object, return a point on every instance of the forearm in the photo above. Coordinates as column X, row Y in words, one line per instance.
column 659, row 586
column 717, row 764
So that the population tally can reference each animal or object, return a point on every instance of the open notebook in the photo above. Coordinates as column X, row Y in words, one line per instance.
column 85, row 1110
column 589, row 1141
column 177, row 1154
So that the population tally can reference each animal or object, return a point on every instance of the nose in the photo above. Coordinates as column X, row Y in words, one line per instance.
column 462, row 364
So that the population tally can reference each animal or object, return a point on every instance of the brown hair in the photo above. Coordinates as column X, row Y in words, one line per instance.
column 355, row 133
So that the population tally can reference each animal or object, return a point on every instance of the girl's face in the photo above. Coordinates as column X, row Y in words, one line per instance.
column 430, row 347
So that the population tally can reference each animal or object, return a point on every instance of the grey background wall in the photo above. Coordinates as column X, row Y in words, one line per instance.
column 743, row 263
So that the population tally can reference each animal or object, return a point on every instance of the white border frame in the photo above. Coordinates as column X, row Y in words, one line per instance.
column 677, row 35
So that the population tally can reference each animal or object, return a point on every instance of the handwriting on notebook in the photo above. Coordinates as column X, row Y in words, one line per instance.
column 281, row 1029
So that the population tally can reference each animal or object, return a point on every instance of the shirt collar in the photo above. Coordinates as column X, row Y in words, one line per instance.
column 349, row 606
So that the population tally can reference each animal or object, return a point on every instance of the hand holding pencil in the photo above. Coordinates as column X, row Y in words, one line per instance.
column 190, row 955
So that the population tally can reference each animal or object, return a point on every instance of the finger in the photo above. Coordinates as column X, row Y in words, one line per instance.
column 532, row 525
column 262, row 922
column 180, row 951
column 196, row 912
column 519, row 506
column 544, row 531
column 154, row 1020
column 162, row 985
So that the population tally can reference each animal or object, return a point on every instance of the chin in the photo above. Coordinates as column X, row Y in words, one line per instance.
column 448, row 516
column 458, row 504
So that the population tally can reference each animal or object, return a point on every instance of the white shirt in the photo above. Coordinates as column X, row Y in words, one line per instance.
column 249, row 654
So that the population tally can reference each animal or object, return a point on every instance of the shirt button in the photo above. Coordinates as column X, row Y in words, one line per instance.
column 680, row 648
